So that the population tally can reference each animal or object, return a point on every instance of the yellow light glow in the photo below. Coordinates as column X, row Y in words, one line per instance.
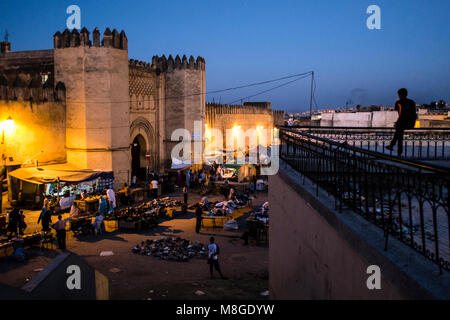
column 236, row 129
column 8, row 125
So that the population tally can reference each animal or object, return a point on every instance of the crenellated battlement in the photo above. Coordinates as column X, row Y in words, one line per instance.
column 163, row 64
column 247, row 108
column 75, row 38
column 140, row 65
column 27, row 87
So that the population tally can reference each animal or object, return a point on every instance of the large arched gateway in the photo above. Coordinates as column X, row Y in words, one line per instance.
column 143, row 153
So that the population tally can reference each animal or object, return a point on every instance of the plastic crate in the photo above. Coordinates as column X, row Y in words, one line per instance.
column 111, row 225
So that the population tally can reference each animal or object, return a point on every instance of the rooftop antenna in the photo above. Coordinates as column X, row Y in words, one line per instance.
column 6, row 35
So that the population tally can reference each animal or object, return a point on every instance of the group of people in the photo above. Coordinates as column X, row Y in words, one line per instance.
column 107, row 203
column 195, row 178
column 45, row 218
column 16, row 222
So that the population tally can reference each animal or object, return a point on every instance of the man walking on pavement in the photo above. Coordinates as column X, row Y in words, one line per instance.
column 213, row 258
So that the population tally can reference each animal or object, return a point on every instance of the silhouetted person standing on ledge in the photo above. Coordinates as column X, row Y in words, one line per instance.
column 406, row 119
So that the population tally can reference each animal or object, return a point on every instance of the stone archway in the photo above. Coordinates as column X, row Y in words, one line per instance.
column 143, row 150
column 138, row 159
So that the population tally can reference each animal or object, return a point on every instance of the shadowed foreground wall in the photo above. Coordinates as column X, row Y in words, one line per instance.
column 317, row 253
column 51, row 282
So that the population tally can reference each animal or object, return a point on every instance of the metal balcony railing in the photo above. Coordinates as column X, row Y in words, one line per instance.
column 408, row 199
column 418, row 144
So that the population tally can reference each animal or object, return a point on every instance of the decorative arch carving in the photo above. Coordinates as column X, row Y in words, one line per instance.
column 141, row 126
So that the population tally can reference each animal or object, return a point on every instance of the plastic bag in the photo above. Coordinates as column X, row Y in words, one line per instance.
column 231, row 225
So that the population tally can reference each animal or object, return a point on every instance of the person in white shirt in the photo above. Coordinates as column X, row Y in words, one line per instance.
column 60, row 227
column 213, row 258
column 111, row 198
column 231, row 194
column 154, row 184
column 98, row 224
column 74, row 211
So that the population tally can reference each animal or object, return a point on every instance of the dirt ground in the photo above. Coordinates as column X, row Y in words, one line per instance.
column 145, row 277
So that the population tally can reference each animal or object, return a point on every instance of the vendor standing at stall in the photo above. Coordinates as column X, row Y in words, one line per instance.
column 188, row 179
column 231, row 194
column 13, row 222
column 45, row 217
column 154, row 186
column 103, row 205
column 219, row 173
column 60, row 227
column 22, row 224
column 111, row 199
column 185, row 195
column 74, row 211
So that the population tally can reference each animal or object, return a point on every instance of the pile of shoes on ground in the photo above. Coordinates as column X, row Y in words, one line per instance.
column 145, row 211
column 175, row 249
column 240, row 199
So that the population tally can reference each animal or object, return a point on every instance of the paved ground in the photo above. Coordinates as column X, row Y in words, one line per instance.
column 144, row 277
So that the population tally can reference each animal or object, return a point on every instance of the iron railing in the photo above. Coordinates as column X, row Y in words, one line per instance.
column 418, row 144
column 407, row 199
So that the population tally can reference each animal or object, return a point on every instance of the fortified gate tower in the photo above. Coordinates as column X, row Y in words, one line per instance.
column 95, row 74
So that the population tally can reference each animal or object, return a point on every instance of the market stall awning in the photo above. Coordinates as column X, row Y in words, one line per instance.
column 61, row 172
column 178, row 164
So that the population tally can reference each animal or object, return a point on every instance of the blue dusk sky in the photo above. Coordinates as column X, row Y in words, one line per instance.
column 246, row 41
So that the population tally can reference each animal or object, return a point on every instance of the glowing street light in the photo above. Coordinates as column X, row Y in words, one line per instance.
column 7, row 126
column 9, row 123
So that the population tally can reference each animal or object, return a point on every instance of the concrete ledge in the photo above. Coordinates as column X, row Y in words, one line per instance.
column 41, row 276
column 52, row 282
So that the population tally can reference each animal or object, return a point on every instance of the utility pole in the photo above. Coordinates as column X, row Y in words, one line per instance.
column 311, row 100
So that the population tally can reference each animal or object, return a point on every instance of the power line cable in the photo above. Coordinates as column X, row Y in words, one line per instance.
column 200, row 93
column 271, row 89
